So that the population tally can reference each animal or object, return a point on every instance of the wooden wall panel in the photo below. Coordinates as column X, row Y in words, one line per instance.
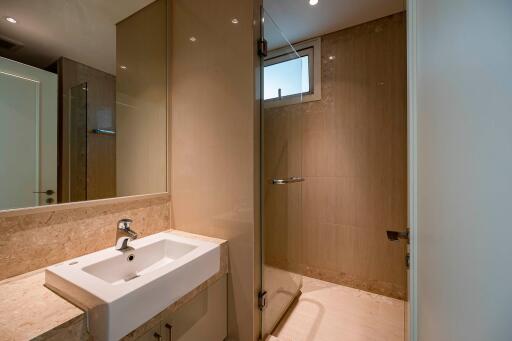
column 354, row 160
column 100, row 150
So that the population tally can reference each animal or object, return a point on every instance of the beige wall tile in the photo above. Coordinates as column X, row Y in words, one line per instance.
column 354, row 162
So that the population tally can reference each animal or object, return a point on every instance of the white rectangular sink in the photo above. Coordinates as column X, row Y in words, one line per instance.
column 120, row 290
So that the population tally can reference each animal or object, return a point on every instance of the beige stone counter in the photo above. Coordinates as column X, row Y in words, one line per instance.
column 30, row 311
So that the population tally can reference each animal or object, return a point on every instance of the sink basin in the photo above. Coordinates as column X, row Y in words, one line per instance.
column 125, row 266
column 121, row 290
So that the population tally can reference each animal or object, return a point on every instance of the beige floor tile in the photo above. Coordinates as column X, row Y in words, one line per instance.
column 331, row 312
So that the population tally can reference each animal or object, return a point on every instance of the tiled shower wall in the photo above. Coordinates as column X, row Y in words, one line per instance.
column 29, row 241
column 351, row 149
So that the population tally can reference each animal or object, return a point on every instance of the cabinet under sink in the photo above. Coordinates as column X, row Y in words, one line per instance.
column 121, row 290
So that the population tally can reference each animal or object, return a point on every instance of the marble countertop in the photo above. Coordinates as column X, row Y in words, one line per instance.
column 28, row 310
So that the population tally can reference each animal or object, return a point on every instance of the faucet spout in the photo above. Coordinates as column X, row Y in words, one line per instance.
column 124, row 234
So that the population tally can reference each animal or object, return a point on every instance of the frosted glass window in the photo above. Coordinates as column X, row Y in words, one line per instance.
column 291, row 77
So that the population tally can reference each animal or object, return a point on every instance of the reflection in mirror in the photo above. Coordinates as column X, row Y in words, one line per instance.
column 77, row 169
column 83, row 100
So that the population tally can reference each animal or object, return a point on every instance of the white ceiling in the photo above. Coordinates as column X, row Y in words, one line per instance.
column 298, row 20
column 82, row 30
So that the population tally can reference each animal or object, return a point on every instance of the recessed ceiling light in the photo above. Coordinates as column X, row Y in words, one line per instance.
column 123, row 67
column 11, row 20
column 234, row 21
column 192, row 39
column 313, row 2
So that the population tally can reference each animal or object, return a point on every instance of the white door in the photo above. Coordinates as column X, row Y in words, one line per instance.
column 464, row 176
column 28, row 135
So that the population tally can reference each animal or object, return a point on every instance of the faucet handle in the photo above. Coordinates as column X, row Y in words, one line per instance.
column 124, row 224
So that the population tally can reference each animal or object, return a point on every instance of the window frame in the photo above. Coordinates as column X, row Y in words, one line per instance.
column 312, row 49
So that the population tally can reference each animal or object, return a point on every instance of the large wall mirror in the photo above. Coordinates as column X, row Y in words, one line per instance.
column 83, row 100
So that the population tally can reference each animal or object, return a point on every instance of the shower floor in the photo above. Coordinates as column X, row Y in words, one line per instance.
column 331, row 312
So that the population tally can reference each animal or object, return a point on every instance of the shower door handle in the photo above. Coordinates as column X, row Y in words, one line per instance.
column 396, row 235
column 289, row 180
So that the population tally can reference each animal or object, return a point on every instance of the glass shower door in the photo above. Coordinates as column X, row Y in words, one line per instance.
column 281, row 181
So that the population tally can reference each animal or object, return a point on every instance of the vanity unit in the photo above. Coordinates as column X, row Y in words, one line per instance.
column 180, row 294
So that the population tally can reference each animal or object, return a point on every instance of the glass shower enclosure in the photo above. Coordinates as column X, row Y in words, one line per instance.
column 284, row 82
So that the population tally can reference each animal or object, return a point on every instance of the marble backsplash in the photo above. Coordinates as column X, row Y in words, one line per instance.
column 33, row 240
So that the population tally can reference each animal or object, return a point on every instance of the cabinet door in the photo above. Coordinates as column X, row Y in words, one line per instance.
column 204, row 318
column 154, row 334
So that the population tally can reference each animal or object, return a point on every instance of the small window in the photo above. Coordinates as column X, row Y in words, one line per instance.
column 294, row 77
column 287, row 78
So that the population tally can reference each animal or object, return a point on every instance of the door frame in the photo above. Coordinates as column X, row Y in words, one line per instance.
column 412, row 167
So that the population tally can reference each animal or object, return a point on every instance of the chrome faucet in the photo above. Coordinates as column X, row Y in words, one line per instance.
column 124, row 234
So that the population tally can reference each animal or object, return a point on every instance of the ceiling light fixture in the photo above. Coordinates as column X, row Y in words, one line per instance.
column 11, row 20
column 332, row 57
column 123, row 67
column 313, row 2
column 234, row 21
column 192, row 39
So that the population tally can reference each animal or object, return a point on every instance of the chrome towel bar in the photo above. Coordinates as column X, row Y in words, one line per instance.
column 103, row 132
column 289, row 180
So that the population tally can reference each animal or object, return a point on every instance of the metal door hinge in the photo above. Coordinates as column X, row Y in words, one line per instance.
column 262, row 48
column 408, row 260
column 262, row 300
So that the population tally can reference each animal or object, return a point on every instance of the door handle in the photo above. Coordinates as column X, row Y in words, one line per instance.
column 169, row 327
column 396, row 235
column 47, row 192
column 289, row 180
